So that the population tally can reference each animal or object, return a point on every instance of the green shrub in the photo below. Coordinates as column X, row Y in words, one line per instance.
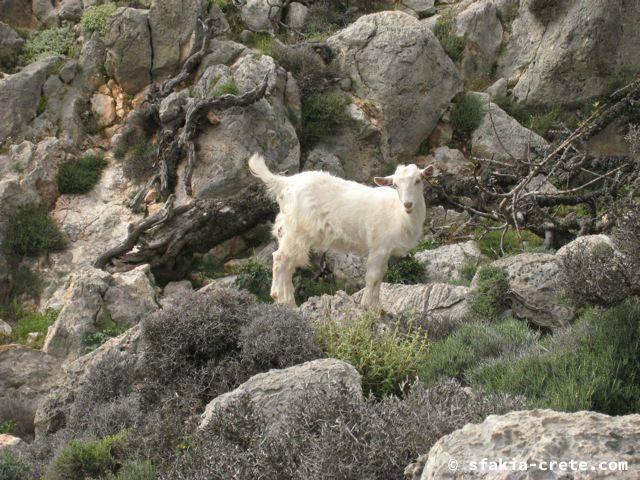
column 140, row 162
column 80, row 175
column 385, row 361
column 466, row 115
column 467, row 271
column 97, row 17
column 38, row 322
column 263, row 42
column 593, row 365
column 32, row 232
column 7, row 426
column 323, row 115
column 489, row 299
column 11, row 467
column 109, row 330
column 406, row 271
column 49, row 43
column 454, row 355
column 255, row 277
column 139, row 470
column 230, row 87
column 451, row 43
column 489, row 243
column 88, row 459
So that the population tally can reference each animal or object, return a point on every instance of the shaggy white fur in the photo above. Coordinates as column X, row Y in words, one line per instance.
column 322, row 212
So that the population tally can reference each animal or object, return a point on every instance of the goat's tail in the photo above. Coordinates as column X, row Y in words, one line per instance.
column 259, row 168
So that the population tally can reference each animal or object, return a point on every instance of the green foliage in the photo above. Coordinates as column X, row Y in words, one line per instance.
column 138, row 470
column 539, row 119
column 7, row 426
column 451, row 43
column 80, row 175
column 454, row 355
column 229, row 87
column 88, row 459
column 489, row 243
column 32, row 232
column 466, row 115
column 427, row 243
column 323, row 115
column 25, row 281
column 467, row 271
column 97, row 17
column 489, row 299
column 407, row 271
column 49, row 43
column 108, row 331
column 594, row 365
column 507, row 15
column 11, row 467
column 42, row 105
column 386, row 361
column 140, row 162
column 255, row 277
column 263, row 42
column 38, row 322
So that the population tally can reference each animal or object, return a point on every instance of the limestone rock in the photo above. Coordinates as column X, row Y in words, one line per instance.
column 396, row 62
column 10, row 44
column 443, row 264
column 104, row 109
column 423, row 8
column 349, row 267
column 129, row 52
column 173, row 291
column 498, row 88
column 449, row 160
column 17, row 13
column 7, row 441
column 274, row 392
column 222, row 52
column 130, row 296
column 172, row 107
column 258, row 15
column 324, row 161
column 5, row 329
column 535, row 437
column 535, row 282
column 501, row 137
column 340, row 307
column 297, row 16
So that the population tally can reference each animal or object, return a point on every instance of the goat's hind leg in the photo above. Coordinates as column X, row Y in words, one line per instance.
column 291, row 254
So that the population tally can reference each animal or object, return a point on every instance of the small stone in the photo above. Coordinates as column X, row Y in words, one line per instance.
column 68, row 71
column 7, row 440
column 104, row 109
column 33, row 337
column 151, row 196
column 5, row 329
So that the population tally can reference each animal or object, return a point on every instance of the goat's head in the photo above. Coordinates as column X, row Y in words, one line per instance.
column 407, row 180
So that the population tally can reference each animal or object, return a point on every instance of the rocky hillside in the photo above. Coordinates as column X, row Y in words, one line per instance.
column 137, row 335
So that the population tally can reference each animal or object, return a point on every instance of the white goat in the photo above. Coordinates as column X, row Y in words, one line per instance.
column 323, row 212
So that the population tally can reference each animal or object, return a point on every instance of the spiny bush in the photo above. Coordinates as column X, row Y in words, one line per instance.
column 307, row 67
column 323, row 115
column 140, row 162
column 11, row 467
column 454, row 355
column 255, row 277
column 407, row 271
column 490, row 297
column 592, row 365
column 48, row 43
column 451, row 43
column 333, row 435
column 97, row 17
column 80, row 175
column 386, row 360
column 38, row 322
column 32, row 232
column 466, row 115
column 230, row 87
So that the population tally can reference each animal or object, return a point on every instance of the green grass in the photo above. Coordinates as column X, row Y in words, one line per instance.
column 594, row 365
column 323, row 116
column 80, row 175
column 451, row 43
column 386, row 361
column 466, row 115
column 32, row 232
column 406, row 271
column 140, row 162
column 229, row 87
column 263, row 42
column 97, row 17
column 489, row 243
column 33, row 322
column 49, row 43
column 489, row 298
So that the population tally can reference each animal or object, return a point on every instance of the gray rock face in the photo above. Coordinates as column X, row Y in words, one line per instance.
column 17, row 13
column 129, row 52
column 396, row 62
column 223, row 149
column 258, row 15
column 578, row 47
column 341, row 308
column 297, row 16
column 537, row 436
column 26, row 376
column 131, row 295
column 223, row 52
column 172, row 107
column 5, row 329
column 443, row 264
column 423, row 8
column 274, row 392
column 480, row 26
column 20, row 95
column 499, row 87
column 535, row 282
column 174, row 33
column 10, row 43
column 449, row 160
column 501, row 137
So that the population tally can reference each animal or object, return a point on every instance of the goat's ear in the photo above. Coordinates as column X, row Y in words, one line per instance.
column 427, row 171
column 383, row 181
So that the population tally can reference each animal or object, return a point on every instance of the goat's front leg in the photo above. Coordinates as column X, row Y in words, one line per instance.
column 376, row 268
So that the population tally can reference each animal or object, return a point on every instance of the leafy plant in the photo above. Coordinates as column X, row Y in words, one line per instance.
column 81, row 175
column 255, row 277
column 140, row 162
column 386, row 361
column 42, row 105
column 32, row 232
column 406, row 271
column 49, row 43
column 136, row 470
column 38, row 322
column 109, row 330
column 97, row 17
column 11, row 467
column 451, row 43
column 466, row 115
column 230, row 87
column 323, row 115
column 7, row 426
column 489, row 299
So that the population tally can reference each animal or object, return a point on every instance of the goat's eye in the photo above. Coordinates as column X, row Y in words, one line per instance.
column 417, row 181
column 394, row 186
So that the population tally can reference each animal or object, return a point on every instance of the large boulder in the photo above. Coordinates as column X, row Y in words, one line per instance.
column 131, row 295
column 17, row 13
column 567, row 52
column 533, row 439
column 10, row 45
column 223, row 148
column 444, row 264
column 174, row 34
column 396, row 62
column 535, row 284
column 261, row 15
column 275, row 392
column 129, row 50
